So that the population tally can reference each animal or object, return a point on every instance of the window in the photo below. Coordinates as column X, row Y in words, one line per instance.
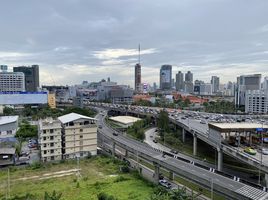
column 52, row 158
column 44, row 138
column 52, row 151
column 52, row 144
column 86, row 122
column 45, row 145
column 45, row 152
column 81, row 136
column 51, row 130
column 81, row 130
column 71, row 123
column 51, row 138
column 44, row 131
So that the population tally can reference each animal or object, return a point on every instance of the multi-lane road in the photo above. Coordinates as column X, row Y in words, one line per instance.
column 233, row 189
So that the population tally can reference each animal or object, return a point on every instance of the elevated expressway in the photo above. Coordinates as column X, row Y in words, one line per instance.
column 231, row 188
column 201, row 131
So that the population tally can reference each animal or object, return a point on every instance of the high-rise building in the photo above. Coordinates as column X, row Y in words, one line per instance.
column 31, row 77
column 189, row 77
column 179, row 81
column 215, row 81
column 3, row 68
column 205, row 89
column 12, row 82
column 165, row 77
column 244, row 83
column 137, row 77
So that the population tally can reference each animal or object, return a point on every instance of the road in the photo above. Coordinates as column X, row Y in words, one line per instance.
column 183, row 167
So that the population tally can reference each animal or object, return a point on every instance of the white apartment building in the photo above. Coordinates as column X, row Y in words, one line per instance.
column 256, row 101
column 70, row 136
column 50, row 139
column 12, row 82
column 79, row 136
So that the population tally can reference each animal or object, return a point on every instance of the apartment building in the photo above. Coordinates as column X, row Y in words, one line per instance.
column 70, row 136
column 50, row 139
column 79, row 135
column 256, row 101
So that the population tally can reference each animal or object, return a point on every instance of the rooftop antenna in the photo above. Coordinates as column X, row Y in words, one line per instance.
column 139, row 54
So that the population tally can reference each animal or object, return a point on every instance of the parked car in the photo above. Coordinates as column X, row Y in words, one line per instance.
column 250, row 151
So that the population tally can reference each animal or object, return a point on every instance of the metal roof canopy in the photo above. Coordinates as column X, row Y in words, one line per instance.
column 236, row 127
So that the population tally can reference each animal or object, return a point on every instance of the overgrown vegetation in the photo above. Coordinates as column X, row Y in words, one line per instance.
column 163, row 194
column 137, row 130
column 224, row 107
column 26, row 130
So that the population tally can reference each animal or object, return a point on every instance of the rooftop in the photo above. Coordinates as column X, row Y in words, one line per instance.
column 72, row 117
column 229, row 127
column 7, row 150
column 8, row 119
column 125, row 119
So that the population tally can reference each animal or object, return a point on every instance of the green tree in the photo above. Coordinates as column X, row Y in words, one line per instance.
column 26, row 131
column 8, row 111
column 163, row 122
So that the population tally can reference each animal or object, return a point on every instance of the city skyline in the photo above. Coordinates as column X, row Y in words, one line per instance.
column 94, row 40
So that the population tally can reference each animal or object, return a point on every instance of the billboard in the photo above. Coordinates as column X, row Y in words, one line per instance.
column 165, row 76
column 15, row 98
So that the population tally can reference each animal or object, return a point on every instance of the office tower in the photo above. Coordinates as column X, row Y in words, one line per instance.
column 215, row 81
column 179, row 81
column 137, row 77
column 31, row 75
column 189, row 77
column 244, row 83
column 12, row 82
column 165, row 77
column 205, row 89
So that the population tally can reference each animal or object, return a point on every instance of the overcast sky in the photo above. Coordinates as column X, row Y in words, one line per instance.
column 76, row 40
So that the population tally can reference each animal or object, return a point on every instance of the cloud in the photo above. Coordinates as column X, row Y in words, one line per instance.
column 117, row 53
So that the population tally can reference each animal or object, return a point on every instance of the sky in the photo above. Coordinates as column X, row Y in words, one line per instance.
column 76, row 40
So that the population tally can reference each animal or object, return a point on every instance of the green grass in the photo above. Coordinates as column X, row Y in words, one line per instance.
column 99, row 174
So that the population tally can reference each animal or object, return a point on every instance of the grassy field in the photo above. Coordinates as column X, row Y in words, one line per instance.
column 99, row 174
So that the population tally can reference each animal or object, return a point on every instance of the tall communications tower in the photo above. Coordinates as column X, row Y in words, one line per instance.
column 138, row 75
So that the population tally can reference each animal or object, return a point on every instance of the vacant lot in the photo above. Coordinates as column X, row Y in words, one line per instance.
column 99, row 174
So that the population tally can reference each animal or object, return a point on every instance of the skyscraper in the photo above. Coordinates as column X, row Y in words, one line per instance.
column 215, row 81
column 31, row 77
column 179, row 81
column 138, row 77
column 189, row 77
column 188, row 83
column 165, row 77
column 244, row 83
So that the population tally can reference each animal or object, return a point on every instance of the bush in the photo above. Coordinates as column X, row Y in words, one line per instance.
column 104, row 196
column 36, row 165
column 120, row 179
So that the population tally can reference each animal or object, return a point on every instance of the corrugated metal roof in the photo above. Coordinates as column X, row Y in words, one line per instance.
column 72, row 117
column 8, row 119
column 7, row 151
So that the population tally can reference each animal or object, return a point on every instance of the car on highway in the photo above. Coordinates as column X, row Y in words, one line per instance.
column 250, row 150
column 154, row 141
column 115, row 133
column 100, row 126
column 165, row 183
column 203, row 121
column 174, row 151
column 264, row 151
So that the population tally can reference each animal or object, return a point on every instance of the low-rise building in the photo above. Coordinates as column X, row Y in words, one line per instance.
column 79, row 135
column 256, row 101
column 50, row 139
column 8, row 126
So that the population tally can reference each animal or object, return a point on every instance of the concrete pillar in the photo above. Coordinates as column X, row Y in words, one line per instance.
column 171, row 176
column 220, row 159
column 126, row 153
column 113, row 149
column 156, row 173
column 183, row 135
column 250, row 139
column 266, row 180
column 194, row 144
